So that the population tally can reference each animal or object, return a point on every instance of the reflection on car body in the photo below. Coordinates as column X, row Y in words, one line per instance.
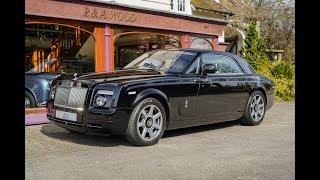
column 182, row 88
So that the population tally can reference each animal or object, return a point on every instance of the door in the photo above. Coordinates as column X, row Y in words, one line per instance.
column 220, row 92
column 184, row 99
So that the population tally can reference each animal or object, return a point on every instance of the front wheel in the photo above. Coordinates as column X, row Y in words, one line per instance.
column 147, row 123
column 29, row 101
column 255, row 109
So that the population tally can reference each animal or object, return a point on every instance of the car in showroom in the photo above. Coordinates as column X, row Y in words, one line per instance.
column 37, row 83
column 162, row 90
column 37, row 88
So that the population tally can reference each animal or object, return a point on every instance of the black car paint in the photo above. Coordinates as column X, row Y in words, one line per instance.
column 189, row 100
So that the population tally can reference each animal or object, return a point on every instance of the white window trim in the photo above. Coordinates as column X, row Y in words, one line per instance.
column 175, row 6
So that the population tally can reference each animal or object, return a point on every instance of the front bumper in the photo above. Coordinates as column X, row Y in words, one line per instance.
column 92, row 121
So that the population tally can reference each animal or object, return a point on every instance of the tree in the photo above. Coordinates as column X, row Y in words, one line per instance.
column 278, row 29
column 276, row 17
column 254, row 50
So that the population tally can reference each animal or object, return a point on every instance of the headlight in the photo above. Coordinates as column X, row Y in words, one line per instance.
column 52, row 93
column 101, row 101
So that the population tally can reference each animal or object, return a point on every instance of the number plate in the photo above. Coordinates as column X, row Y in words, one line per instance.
column 66, row 115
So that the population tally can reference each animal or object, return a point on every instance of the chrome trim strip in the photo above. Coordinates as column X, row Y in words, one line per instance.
column 132, row 92
column 62, row 106
column 105, row 92
column 92, row 126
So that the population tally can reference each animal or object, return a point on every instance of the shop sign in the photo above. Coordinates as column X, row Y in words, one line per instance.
column 112, row 15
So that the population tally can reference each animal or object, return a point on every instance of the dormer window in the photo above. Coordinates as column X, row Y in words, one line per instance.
column 171, row 5
column 182, row 5
column 178, row 5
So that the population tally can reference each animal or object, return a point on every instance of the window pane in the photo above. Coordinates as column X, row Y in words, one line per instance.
column 194, row 68
column 183, row 5
column 200, row 43
column 171, row 4
column 57, row 48
column 223, row 63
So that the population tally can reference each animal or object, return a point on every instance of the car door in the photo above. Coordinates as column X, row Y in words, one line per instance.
column 184, row 99
column 219, row 93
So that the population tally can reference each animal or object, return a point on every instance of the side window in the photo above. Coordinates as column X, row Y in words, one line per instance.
column 194, row 68
column 225, row 65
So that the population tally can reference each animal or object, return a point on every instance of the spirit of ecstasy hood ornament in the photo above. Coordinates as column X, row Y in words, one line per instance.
column 75, row 75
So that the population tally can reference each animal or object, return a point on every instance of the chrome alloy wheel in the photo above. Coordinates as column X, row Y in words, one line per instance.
column 26, row 102
column 257, row 108
column 149, row 123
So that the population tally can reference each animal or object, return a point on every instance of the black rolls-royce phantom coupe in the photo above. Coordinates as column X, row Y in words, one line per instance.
column 162, row 90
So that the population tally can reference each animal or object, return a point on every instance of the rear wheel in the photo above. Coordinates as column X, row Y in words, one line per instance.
column 29, row 101
column 147, row 122
column 255, row 109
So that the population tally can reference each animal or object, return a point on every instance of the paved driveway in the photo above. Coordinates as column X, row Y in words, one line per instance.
column 219, row 151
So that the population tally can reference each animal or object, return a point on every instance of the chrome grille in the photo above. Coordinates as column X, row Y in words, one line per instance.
column 70, row 96
column 62, row 95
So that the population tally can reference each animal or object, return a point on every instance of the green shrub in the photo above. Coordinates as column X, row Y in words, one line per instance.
column 283, row 69
column 283, row 78
column 285, row 89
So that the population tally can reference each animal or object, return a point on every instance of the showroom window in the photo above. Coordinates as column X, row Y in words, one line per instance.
column 200, row 43
column 130, row 45
column 53, row 47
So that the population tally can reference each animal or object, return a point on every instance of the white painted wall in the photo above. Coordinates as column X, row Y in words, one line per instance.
column 163, row 5
column 221, row 38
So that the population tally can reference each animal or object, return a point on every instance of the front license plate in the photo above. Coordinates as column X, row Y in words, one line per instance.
column 66, row 115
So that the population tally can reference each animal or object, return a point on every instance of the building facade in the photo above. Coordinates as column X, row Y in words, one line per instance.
column 105, row 35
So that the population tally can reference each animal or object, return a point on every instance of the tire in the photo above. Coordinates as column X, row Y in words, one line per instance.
column 29, row 101
column 146, row 128
column 255, row 109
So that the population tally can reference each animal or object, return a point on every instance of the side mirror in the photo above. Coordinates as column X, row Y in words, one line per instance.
column 208, row 68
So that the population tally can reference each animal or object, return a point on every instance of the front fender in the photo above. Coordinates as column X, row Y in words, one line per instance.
column 39, row 88
column 147, row 92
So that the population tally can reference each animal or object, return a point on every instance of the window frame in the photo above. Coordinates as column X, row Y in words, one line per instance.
column 200, row 56
column 197, row 58
column 178, row 6
column 221, row 74
column 172, row 5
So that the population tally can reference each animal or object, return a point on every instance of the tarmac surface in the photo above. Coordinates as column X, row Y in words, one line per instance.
column 217, row 151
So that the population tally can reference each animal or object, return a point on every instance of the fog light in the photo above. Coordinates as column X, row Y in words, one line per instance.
column 101, row 101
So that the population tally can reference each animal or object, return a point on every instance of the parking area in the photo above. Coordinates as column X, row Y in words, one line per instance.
column 218, row 151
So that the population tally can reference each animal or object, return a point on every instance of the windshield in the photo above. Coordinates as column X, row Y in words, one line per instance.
column 169, row 61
